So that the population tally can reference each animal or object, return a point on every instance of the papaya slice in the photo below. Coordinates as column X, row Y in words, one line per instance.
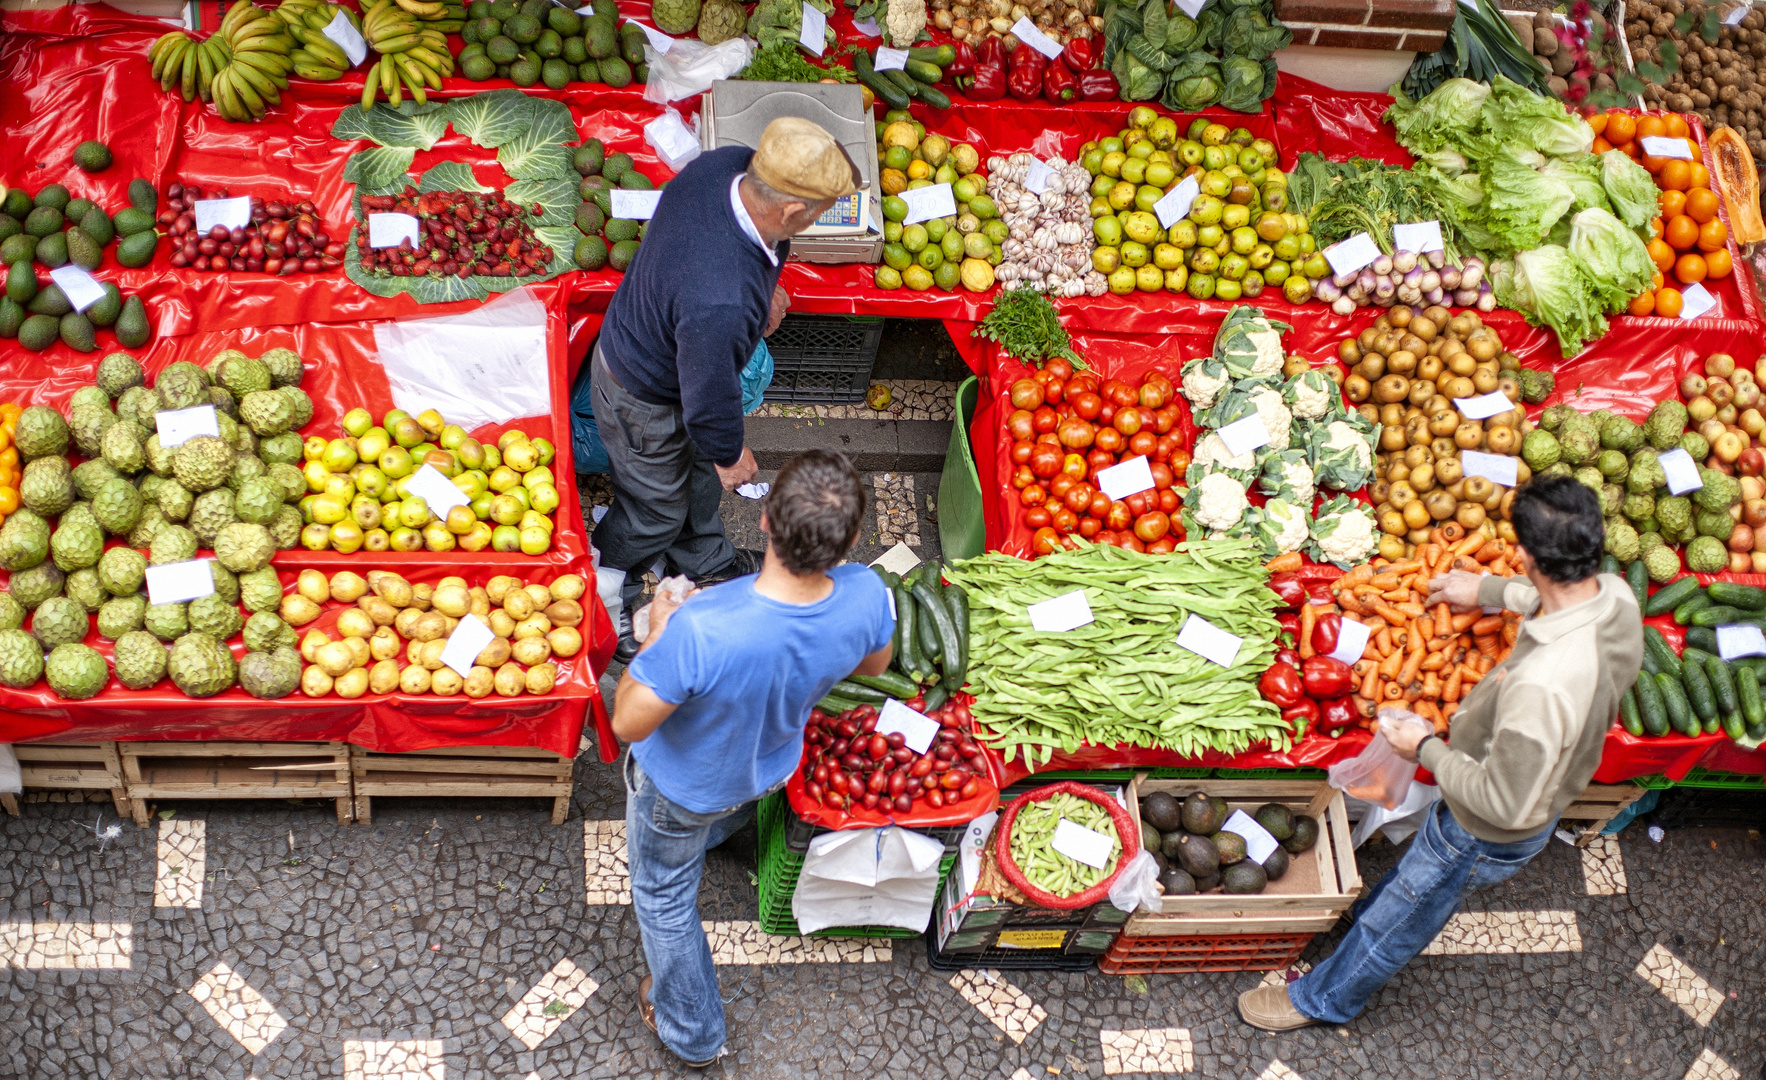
column 1733, row 175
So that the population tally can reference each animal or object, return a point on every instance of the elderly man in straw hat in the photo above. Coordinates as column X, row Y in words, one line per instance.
column 702, row 292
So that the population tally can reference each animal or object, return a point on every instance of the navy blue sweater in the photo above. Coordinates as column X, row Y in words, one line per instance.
column 693, row 305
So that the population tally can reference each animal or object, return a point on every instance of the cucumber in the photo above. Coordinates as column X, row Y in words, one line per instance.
column 1702, row 637
column 1657, row 648
column 936, row 696
column 1637, row 576
column 922, row 71
column 904, row 82
column 1748, row 597
column 1680, row 716
column 1698, row 690
column 1693, row 655
column 1722, row 684
column 1747, row 691
column 1716, row 615
column 834, row 705
column 906, row 620
column 1671, row 595
column 941, row 624
column 892, row 683
column 931, row 645
column 1628, row 714
column 1650, row 667
column 1734, row 726
column 852, row 691
column 942, row 55
column 933, row 96
column 1650, row 709
column 889, row 580
column 957, row 666
column 1691, row 606
column 892, row 95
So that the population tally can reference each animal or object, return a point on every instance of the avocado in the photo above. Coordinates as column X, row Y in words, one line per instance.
column 549, row 45
column 142, row 197
column 21, row 282
column 1277, row 819
column 136, row 250
column 478, row 68
column 12, row 316
column 131, row 221
column 474, row 49
column 575, row 52
column 9, row 227
column 469, row 34
column 478, row 9
column 631, row 44
column 132, row 330
column 53, row 195
column 592, row 184
column 620, row 229
column 589, row 71
column 1198, row 815
column 39, row 332
column 77, row 332
column 16, row 203
column 1244, row 878
column 1305, row 835
column 76, row 209
column 556, row 74
column 523, row 29
column 1277, row 864
column 97, row 224
column 1208, row 882
column 1169, row 844
column 52, row 250
column 622, row 254
column 22, row 248
column 1178, row 882
column 606, row 9
column 502, row 71
column 535, row 9
column 82, row 250
column 487, row 28
column 564, row 21
column 589, row 157
column 43, row 220
column 92, row 156
column 105, row 311
column 50, row 300
column 589, row 219
column 501, row 50
column 1150, row 838
column 1197, row 854
column 525, row 71
column 1230, row 845
column 616, row 72
column 504, row 9
column 616, row 166
column 590, row 253
column 636, row 181
column 600, row 40
column 1162, row 811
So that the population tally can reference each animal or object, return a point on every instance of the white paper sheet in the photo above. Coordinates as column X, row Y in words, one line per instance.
column 928, row 202
column 1496, row 468
column 890, row 59
column 1348, row 256
column 1174, row 204
column 1131, row 476
column 898, row 559
column 79, row 286
column 1036, row 39
column 1036, row 176
column 232, row 213
column 754, row 491
column 1208, row 641
column 469, row 638
column 1737, row 14
column 391, row 230
column 1069, row 611
column 1418, row 236
column 179, row 426
column 635, row 205
column 1259, row 844
column 428, row 484
column 814, row 34
column 486, row 366
column 1243, row 436
column 1484, row 406
column 1742, row 639
column 1695, row 300
column 916, row 728
column 1682, row 472
column 867, row 27
column 345, row 36
column 175, row 583
column 1193, row 8
column 1351, row 641
column 1081, row 844
column 1664, row 146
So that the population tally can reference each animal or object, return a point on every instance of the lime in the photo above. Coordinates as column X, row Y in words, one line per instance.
column 894, row 209
column 917, row 278
column 1122, row 280
column 931, row 257
column 897, row 157
column 914, row 237
column 953, row 245
column 946, row 276
column 888, row 277
column 935, row 229
column 1227, row 289
column 897, row 258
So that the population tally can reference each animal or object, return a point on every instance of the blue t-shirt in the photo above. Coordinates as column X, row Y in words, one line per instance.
column 745, row 670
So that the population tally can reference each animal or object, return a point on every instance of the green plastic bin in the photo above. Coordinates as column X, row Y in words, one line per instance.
column 962, row 527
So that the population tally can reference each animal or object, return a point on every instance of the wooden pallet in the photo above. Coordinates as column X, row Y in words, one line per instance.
column 469, row 771
column 236, row 770
column 1597, row 805
column 70, row 767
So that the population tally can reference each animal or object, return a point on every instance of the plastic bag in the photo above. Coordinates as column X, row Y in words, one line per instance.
column 1378, row 774
column 676, row 588
column 1137, row 887
column 1397, row 823
column 11, row 779
column 690, row 67
column 486, row 366
column 756, row 377
column 674, row 142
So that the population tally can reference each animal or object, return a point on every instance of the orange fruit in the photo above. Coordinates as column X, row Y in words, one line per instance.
column 1651, row 126
column 1718, row 264
column 1668, row 303
column 1676, row 126
column 1675, row 175
column 1655, row 227
column 1700, row 204
column 1701, row 176
column 1598, row 122
column 1681, row 233
column 1642, row 304
column 9, row 457
column 1690, row 268
column 1621, row 128
column 1656, row 280
column 8, row 500
column 1712, row 235
column 1671, row 203
column 1654, row 165
column 1601, row 145
column 1661, row 254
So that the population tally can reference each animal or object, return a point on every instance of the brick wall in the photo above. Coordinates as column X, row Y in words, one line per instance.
column 1413, row 25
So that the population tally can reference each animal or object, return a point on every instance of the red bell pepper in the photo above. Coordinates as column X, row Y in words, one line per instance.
column 1324, row 677
column 1289, row 657
column 1059, row 86
column 1282, row 685
column 991, row 51
column 1024, row 73
column 964, row 63
column 1098, row 85
column 1290, row 624
column 1080, row 55
column 1290, row 589
column 1302, row 717
column 1337, row 714
column 989, row 83
column 1325, row 633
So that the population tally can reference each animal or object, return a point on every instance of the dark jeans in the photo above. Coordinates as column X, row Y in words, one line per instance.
column 1405, row 911
column 665, row 493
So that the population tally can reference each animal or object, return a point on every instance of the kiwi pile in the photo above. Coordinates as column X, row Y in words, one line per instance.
column 1195, row 856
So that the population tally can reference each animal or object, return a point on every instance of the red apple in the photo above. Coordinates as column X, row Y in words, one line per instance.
column 1751, row 462
column 1754, row 513
column 1741, row 539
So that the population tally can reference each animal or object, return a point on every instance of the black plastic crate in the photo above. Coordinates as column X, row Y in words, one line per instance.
column 1682, row 808
column 1007, row 959
column 823, row 359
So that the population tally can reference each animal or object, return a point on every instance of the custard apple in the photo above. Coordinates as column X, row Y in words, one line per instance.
column 201, row 666
column 118, row 372
column 290, row 482
column 80, row 512
column 202, row 463
column 123, row 448
column 226, row 582
column 166, row 621
column 265, row 631
column 88, row 426
column 138, row 406
column 32, row 587
column 214, row 616
column 24, row 540
column 283, row 449
column 174, row 500
column 300, row 403
column 285, row 528
column 721, row 20
column 224, row 402
column 182, row 385
column 118, row 617
column 240, row 438
column 242, row 547
column 1662, row 563
column 140, row 659
column 285, row 367
column 220, row 359
column 76, row 543
column 241, row 375
column 12, row 613
column 258, row 500
column 270, row 675
column 83, row 587
column 141, row 536
column 160, row 459
column 209, row 513
column 89, row 476
column 87, row 397
column 267, row 412
column 173, row 543
column 122, row 570
column 675, row 16
column 76, row 671
column 246, row 468
column 47, row 487
column 60, row 620
column 21, row 659
column 117, row 506
column 261, row 590
column 39, row 432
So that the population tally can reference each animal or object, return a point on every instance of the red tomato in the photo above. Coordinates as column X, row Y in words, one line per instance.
column 1045, row 418
column 1065, row 520
column 1165, row 545
column 1125, row 395
column 1143, row 443
column 1047, row 438
column 1019, row 424
column 1152, row 526
column 1022, row 477
column 1052, row 389
column 1169, row 501
column 1131, row 542
column 1086, row 404
column 1042, row 543
column 1059, row 367
column 1126, row 420
column 1074, row 465
column 1180, row 462
column 1038, row 516
column 1109, row 387
column 1078, row 499
column 1100, row 505
column 1138, row 503
column 1089, row 526
column 1119, row 518
column 1076, row 434
column 1083, row 380
column 1109, row 440
column 1034, row 495
column 1026, row 394
column 1060, row 485
column 1105, row 536
column 1045, row 461
column 1162, row 476
column 1021, row 451
column 1100, row 459
column 1107, row 413
column 1165, row 419
column 1153, row 395
column 1168, row 445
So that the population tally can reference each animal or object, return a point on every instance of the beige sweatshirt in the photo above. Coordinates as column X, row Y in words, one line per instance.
column 1528, row 738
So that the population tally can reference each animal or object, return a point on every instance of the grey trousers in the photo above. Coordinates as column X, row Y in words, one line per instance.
column 665, row 493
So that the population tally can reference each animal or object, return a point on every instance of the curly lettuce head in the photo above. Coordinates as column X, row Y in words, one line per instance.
column 1517, row 116
column 1612, row 257
column 1520, row 203
column 1630, row 188
column 1441, row 118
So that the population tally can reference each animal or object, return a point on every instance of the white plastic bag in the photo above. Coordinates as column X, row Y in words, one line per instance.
column 676, row 588
column 1398, row 823
column 674, row 140
column 1378, row 774
column 690, row 67
column 867, row 877
column 1137, row 887
column 486, row 366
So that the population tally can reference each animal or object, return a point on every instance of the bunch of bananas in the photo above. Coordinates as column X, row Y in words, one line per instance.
column 318, row 57
column 411, row 37
column 240, row 67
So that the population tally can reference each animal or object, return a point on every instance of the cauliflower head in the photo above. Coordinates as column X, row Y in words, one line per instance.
column 1281, row 527
column 1344, row 532
column 1217, row 503
column 1211, row 456
column 905, row 21
column 1203, row 380
column 1287, row 476
column 1313, row 395
column 1273, row 411
column 1342, row 452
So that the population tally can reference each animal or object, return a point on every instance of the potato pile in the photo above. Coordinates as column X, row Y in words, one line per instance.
column 533, row 624
column 1405, row 372
column 1721, row 78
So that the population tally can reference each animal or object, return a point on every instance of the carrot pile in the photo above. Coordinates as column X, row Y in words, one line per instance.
column 1424, row 659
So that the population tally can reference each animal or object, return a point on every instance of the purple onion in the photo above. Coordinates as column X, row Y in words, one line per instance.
column 1431, row 280
column 1416, row 310
column 1450, row 278
column 1383, row 264
column 1403, row 261
column 1432, row 297
column 1342, row 305
column 1327, row 289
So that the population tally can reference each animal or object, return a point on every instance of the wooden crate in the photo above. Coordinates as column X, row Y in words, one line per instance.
column 1597, row 805
column 236, row 770
column 469, row 771
column 70, row 767
column 1319, row 886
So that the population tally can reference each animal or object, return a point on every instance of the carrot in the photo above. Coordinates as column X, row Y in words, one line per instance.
column 1491, row 550
column 1450, row 687
column 1391, row 614
column 1384, row 581
column 1355, row 577
column 1363, row 666
column 1447, row 712
column 1370, row 684
column 1462, row 622
column 1392, row 690
column 1414, row 610
column 1428, row 711
column 1390, row 665
column 1399, row 595
column 1487, row 645
column 1487, row 625
column 1452, row 531
column 1351, row 604
column 1412, row 664
column 1406, row 566
column 1510, row 632
column 1283, row 564
column 1430, row 551
column 1308, row 619
column 1383, row 642
column 1470, row 545
column 1443, row 621
column 1431, row 685
column 1485, row 663
column 1435, row 661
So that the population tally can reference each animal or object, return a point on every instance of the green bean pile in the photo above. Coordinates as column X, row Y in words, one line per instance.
column 1033, row 836
column 1122, row 679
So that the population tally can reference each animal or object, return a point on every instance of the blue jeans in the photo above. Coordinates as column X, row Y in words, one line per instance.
column 665, row 850
column 1405, row 911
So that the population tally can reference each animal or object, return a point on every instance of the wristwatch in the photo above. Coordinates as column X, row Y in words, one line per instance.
column 1424, row 742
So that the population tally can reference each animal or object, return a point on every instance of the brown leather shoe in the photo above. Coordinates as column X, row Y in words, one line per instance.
column 647, row 1013
column 1269, row 1008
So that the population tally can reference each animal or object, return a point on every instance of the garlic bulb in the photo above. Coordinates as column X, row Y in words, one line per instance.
column 1013, row 249
column 1069, row 232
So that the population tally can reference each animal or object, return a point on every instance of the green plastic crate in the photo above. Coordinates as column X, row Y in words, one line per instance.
column 779, row 870
column 1652, row 782
column 962, row 527
column 1722, row 781
column 1270, row 774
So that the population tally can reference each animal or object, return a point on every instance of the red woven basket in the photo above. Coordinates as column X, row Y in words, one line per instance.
column 1125, row 832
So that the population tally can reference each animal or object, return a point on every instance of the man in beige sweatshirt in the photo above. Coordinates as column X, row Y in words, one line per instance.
column 1524, row 744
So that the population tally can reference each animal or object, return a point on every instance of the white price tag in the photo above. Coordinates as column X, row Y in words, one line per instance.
column 1243, row 436
column 1174, row 204
column 1681, row 470
column 1193, row 8
column 1208, row 641
column 867, row 27
column 1496, row 468
column 1259, row 844
column 1128, row 478
column 1348, row 256
column 659, row 41
column 1736, row 14
column 754, row 491
column 233, row 213
column 917, row 729
column 1419, row 237
column 465, row 643
column 927, row 203
column 1081, row 844
column 436, row 490
column 1663, row 146
column 1743, row 639
column 635, row 205
column 898, row 559
column 1036, row 39
column 179, row 426
column 391, row 230
column 175, row 583
column 345, row 36
column 814, row 35
column 1036, row 177
column 1695, row 300
column 890, row 59
column 1351, row 642
column 1069, row 611
column 1484, row 406
column 81, row 288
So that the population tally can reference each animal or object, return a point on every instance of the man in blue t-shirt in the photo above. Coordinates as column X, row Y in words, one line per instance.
column 715, row 705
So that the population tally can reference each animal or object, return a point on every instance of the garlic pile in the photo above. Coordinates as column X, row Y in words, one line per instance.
column 1049, row 247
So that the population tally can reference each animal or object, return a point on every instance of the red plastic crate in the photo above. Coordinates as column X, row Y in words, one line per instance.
column 1224, row 952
